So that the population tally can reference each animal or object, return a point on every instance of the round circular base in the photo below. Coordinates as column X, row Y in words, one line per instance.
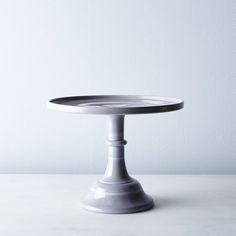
column 117, row 198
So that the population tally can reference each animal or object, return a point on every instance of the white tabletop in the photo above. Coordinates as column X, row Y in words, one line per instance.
column 36, row 205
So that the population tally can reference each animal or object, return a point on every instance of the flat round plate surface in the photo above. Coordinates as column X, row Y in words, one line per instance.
column 115, row 104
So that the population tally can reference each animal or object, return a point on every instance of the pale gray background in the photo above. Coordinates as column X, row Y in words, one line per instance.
column 184, row 49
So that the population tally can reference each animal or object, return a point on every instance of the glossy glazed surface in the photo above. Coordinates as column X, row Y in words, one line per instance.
column 115, row 104
column 116, row 192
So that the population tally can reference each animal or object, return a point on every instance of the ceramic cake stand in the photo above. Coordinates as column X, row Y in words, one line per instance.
column 116, row 191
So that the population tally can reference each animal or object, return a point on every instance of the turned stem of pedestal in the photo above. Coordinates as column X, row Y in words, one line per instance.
column 116, row 169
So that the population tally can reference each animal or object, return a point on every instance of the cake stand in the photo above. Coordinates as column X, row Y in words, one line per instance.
column 116, row 192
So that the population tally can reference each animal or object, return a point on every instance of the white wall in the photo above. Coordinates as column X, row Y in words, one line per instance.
column 175, row 48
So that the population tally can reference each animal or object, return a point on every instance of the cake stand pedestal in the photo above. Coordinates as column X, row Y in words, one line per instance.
column 116, row 192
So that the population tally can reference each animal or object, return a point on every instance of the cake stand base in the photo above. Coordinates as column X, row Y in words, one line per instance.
column 117, row 198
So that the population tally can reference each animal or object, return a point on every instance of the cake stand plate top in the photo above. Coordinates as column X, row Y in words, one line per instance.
column 115, row 104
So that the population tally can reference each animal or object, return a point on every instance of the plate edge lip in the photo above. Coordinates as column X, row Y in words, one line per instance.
column 179, row 104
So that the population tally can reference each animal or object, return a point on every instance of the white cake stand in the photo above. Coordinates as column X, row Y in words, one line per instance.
column 116, row 192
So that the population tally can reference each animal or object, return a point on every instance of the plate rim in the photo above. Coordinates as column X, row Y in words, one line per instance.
column 99, row 110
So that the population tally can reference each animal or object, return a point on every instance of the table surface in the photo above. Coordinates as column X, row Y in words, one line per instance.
column 48, row 205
